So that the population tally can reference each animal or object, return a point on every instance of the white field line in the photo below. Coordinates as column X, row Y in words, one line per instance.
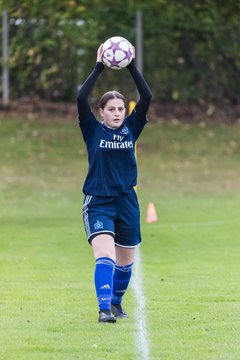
column 142, row 344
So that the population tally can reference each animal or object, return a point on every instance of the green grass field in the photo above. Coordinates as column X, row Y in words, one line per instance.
column 190, row 257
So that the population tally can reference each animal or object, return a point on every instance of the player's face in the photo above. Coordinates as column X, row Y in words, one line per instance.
column 113, row 113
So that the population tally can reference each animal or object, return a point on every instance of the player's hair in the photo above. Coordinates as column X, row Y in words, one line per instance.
column 111, row 95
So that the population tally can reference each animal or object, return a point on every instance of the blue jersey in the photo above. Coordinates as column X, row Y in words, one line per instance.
column 112, row 164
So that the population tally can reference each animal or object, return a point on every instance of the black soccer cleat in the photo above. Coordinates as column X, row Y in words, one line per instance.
column 106, row 316
column 118, row 311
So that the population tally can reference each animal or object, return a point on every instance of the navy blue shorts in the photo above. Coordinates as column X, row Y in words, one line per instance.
column 118, row 216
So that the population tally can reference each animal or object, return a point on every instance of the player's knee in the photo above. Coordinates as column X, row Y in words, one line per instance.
column 104, row 253
column 103, row 246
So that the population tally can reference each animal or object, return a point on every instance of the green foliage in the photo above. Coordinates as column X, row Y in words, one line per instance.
column 43, row 56
column 191, row 49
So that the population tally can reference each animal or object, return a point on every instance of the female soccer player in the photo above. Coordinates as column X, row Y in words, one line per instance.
column 111, row 212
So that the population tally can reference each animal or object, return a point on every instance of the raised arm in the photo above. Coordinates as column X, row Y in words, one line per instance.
column 84, row 91
column 145, row 93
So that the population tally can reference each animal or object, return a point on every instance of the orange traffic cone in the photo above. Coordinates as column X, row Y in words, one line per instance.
column 151, row 213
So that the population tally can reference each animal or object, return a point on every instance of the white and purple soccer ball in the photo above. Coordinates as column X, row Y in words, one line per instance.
column 117, row 52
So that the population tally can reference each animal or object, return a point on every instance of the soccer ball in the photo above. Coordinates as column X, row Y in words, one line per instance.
column 117, row 52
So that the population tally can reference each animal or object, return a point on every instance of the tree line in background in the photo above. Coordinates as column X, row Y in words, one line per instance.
column 191, row 49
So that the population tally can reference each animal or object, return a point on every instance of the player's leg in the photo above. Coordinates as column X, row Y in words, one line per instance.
column 104, row 253
column 127, row 238
column 121, row 278
column 103, row 246
column 99, row 227
column 124, row 255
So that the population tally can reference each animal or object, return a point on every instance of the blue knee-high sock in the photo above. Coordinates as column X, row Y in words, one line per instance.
column 121, row 277
column 103, row 279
